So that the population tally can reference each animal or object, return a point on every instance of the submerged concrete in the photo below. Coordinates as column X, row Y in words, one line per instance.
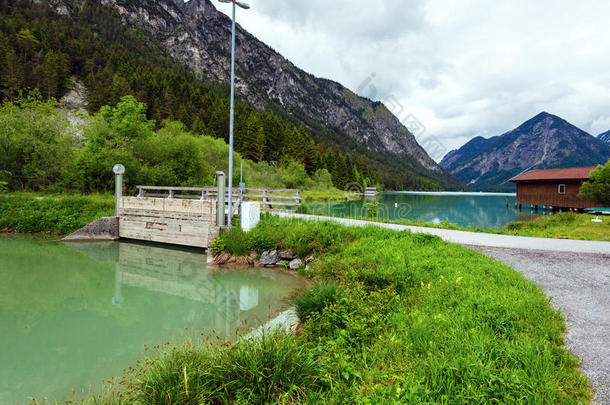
column 103, row 229
column 286, row 322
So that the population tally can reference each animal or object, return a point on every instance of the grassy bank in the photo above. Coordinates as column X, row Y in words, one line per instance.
column 566, row 225
column 51, row 214
column 393, row 318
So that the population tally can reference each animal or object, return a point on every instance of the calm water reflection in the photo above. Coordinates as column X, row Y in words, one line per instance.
column 478, row 210
column 73, row 315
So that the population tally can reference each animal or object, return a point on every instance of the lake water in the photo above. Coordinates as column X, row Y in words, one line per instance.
column 73, row 315
column 478, row 210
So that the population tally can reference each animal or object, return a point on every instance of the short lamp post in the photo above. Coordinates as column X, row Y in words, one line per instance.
column 118, row 170
column 245, row 6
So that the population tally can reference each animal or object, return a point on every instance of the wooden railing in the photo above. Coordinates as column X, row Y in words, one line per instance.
column 273, row 197
column 268, row 197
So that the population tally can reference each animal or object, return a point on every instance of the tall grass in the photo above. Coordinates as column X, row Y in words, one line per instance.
column 57, row 215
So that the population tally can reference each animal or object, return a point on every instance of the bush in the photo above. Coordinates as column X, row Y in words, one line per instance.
column 314, row 300
column 236, row 241
column 273, row 369
column 598, row 187
column 217, row 246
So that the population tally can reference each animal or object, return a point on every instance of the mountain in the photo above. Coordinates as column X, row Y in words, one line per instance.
column 605, row 137
column 198, row 35
column 543, row 142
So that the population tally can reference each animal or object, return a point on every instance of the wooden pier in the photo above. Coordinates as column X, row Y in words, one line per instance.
column 188, row 216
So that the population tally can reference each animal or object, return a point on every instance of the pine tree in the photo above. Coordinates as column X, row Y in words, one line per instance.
column 11, row 75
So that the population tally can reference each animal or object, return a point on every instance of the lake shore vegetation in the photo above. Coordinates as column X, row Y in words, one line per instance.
column 393, row 317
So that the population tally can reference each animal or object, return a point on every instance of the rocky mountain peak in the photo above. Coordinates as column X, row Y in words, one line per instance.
column 545, row 141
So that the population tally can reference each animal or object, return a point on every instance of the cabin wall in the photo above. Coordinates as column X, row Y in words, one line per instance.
column 547, row 193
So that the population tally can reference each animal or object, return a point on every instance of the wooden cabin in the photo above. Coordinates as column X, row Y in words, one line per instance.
column 555, row 188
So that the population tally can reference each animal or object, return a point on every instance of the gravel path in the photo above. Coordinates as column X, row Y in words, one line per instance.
column 579, row 285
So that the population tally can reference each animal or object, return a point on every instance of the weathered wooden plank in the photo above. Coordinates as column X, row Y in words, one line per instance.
column 164, row 233
column 168, row 204
column 168, row 215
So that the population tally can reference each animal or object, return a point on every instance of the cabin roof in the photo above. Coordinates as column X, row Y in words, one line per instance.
column 572, row 173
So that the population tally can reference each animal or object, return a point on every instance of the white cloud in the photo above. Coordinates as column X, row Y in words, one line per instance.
column 462, row 67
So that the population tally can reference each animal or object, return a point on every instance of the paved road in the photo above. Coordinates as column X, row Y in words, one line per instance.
column 575, row 274
column 579, row 285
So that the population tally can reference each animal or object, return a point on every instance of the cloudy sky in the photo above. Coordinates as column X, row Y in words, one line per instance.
column 462, row 67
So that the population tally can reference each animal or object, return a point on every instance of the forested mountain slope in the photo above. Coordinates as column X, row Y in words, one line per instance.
column 126, row 47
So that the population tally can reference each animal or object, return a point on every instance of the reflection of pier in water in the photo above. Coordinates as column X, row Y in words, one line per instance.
column 223, row 299
column 184, row 274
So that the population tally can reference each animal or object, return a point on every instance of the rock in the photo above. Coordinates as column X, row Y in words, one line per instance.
column 222, row 258
column 295, row 264
column 307, row 268
column 309, row 258
column 269, row 258
column 253, row 254
column 103, row 229
column 286, row 255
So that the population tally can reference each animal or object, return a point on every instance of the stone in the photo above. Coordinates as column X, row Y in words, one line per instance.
column 269, row 258
column 295, row 264
column 222, row 258
column 253, row 254
column 103, row 229
column 309, row 258
column 286, row 255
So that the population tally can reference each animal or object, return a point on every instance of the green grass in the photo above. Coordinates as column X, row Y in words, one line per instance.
column 396, row 318
column 51, row 214
column 565, row 225
column 330, row 194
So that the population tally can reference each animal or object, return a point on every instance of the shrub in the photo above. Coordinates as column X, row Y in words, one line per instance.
column 217, row 246
column 597, row 188
column 314, row 300
column 236, row 241
column 273, row 369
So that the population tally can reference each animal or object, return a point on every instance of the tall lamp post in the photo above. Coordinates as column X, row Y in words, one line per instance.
column 245, row 6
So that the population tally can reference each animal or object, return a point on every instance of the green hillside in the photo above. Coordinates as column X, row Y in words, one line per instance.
column 48, row 51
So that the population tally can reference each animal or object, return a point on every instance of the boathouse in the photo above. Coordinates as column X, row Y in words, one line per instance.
column 553, row 189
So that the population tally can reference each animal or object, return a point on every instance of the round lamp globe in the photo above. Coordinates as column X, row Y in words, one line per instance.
column 118, row 169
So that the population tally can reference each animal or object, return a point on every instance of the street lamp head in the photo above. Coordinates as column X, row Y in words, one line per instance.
column 241, row 4
column 118, row 169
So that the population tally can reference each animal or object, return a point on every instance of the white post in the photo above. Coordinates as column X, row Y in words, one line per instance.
column 118, row 170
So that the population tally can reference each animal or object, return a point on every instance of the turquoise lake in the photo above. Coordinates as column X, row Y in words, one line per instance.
column 477, row 210
column 74, row 315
